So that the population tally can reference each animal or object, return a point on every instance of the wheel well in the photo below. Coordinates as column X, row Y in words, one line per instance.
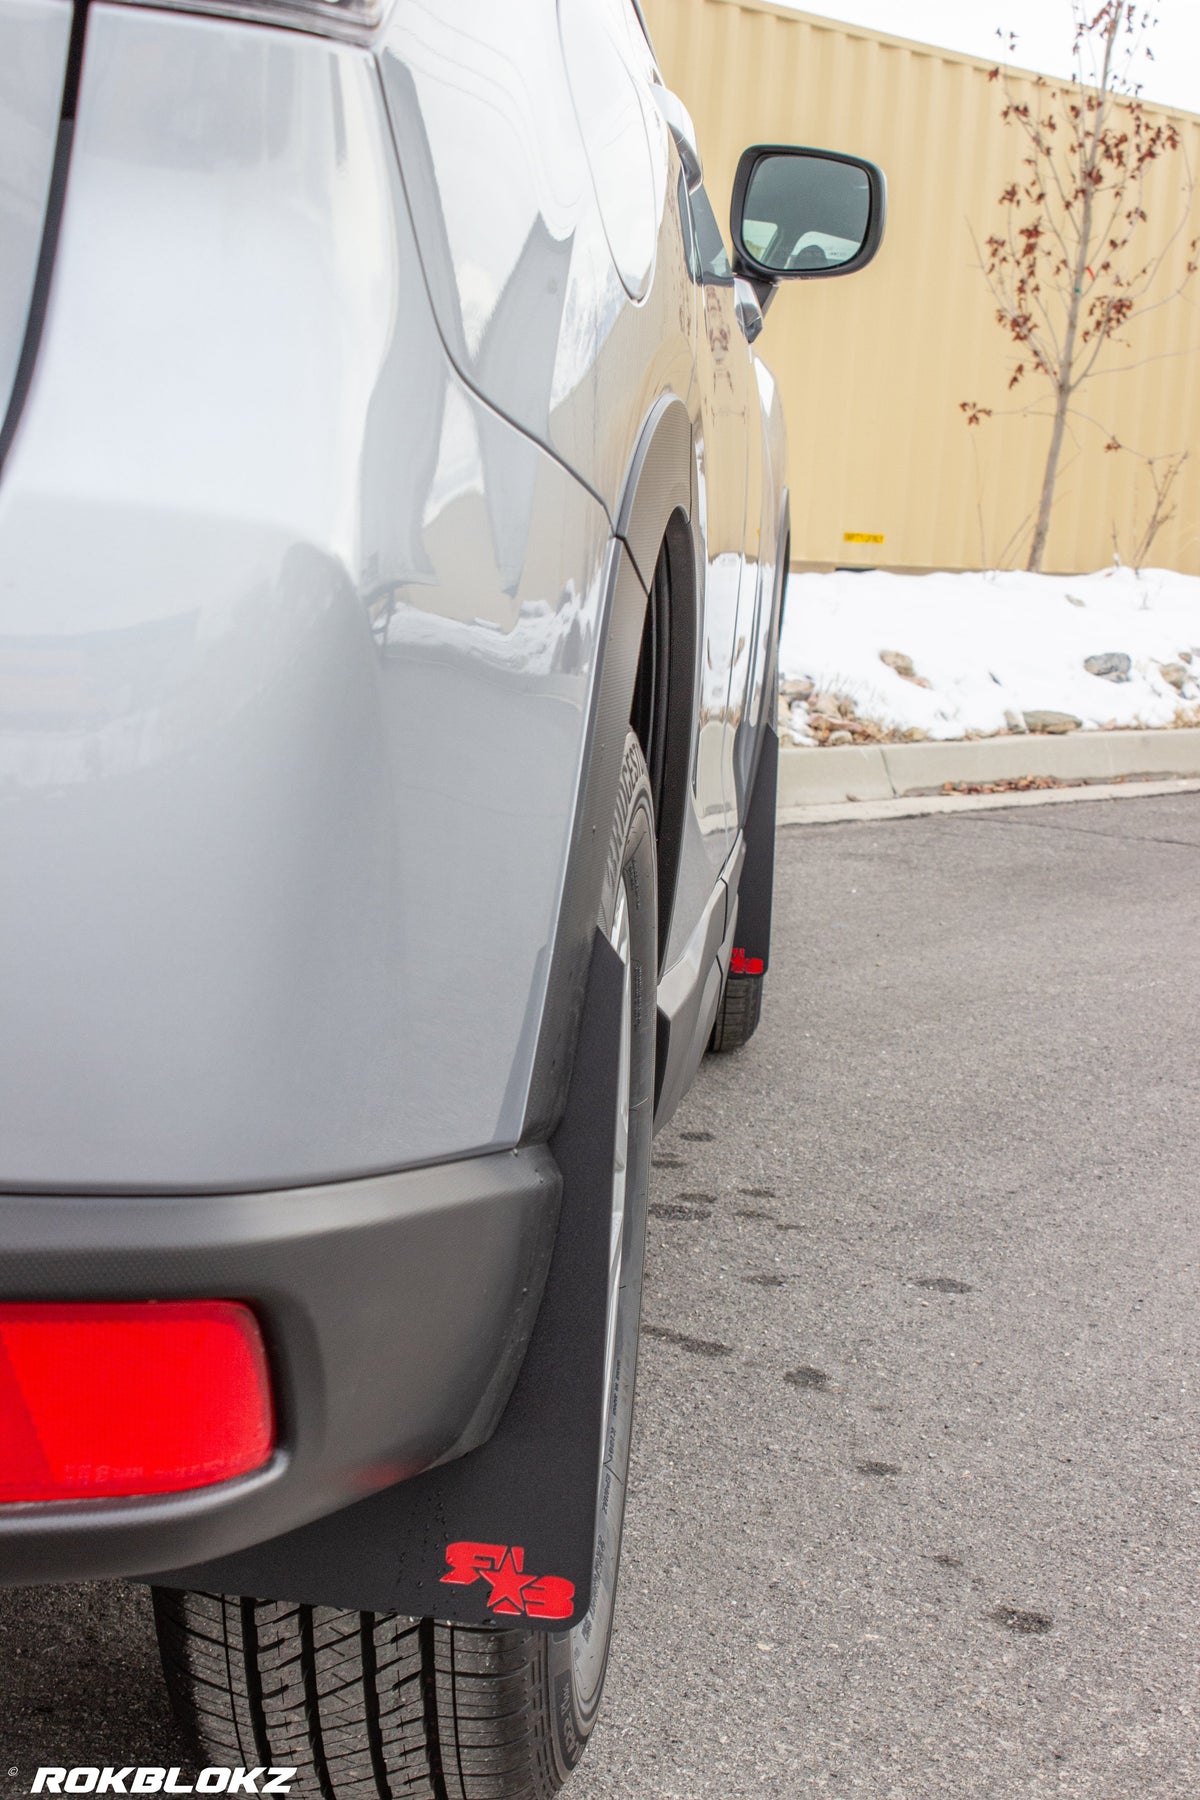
column 663, row 694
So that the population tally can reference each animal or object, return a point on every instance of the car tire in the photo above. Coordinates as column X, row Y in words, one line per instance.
column 738, row 1013
column 370, row 1706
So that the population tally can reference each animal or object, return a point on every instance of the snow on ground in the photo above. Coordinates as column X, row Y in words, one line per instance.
column 994, row 644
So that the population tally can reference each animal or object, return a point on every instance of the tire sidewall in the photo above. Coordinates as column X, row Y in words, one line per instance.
column 631, row 862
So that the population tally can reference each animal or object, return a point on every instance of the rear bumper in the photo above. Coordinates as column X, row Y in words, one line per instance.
column 396, row 1310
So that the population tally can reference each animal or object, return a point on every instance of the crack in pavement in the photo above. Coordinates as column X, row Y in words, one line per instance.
column 1116, row 837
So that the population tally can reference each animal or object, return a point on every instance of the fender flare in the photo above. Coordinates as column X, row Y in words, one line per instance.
column 658, row 483
column 657, row 490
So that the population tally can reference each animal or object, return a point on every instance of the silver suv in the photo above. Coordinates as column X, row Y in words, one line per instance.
column 393, row 534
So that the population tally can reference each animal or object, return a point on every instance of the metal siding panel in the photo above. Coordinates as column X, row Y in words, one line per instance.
column 873, row 370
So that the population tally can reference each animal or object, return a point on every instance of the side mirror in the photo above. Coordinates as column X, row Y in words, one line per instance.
column 804, row 214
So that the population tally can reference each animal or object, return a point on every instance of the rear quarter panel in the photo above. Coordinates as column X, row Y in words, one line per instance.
column 296, row 644
column 558, row 283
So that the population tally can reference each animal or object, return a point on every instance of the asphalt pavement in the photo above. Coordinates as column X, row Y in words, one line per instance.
column 915, row 1505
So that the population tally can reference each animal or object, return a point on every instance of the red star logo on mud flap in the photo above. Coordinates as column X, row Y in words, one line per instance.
column 508, row 1583
column 511, row 1590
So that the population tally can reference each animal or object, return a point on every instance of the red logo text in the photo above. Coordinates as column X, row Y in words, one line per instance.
column 741, row 964
column 512, row 1591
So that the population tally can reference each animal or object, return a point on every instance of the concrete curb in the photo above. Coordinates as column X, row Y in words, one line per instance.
column 913, row 806
column 873, row 772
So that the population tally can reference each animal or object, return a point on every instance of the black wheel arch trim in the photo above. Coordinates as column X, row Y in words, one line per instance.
column 657, row 484
column 656, row 505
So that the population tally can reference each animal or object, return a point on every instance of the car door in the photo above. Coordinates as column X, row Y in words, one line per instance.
column 748, row 706
column 726, row 417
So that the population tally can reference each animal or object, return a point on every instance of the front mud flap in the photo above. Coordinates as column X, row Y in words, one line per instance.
column 752, row 950
column 508, row 1531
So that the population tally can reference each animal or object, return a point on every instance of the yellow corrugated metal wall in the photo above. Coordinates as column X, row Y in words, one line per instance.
column 873, row 367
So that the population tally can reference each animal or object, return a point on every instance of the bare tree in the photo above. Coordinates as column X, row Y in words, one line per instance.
column 1164, row 472
column 1076, row 259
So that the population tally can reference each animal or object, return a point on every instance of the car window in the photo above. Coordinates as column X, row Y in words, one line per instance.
column 710, row 245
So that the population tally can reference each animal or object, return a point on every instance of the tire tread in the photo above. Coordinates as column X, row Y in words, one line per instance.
column 738, row 1014
column 364, row 1706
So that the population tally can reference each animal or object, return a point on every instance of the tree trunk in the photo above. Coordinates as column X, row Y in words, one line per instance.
column 1064, row 385
column 1041, row 530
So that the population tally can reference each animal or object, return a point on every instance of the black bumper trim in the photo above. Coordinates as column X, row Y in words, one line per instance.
column 396, row 1309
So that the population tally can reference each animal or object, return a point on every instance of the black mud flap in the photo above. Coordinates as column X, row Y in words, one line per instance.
column 508, row 1531
column 752, row 938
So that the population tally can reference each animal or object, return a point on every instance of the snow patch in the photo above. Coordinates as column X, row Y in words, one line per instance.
column 994, row 644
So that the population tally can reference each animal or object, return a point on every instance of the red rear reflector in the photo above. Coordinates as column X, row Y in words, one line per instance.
column 144, row 1398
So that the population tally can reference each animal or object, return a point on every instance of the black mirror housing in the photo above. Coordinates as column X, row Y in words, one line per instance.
column 800, row 214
